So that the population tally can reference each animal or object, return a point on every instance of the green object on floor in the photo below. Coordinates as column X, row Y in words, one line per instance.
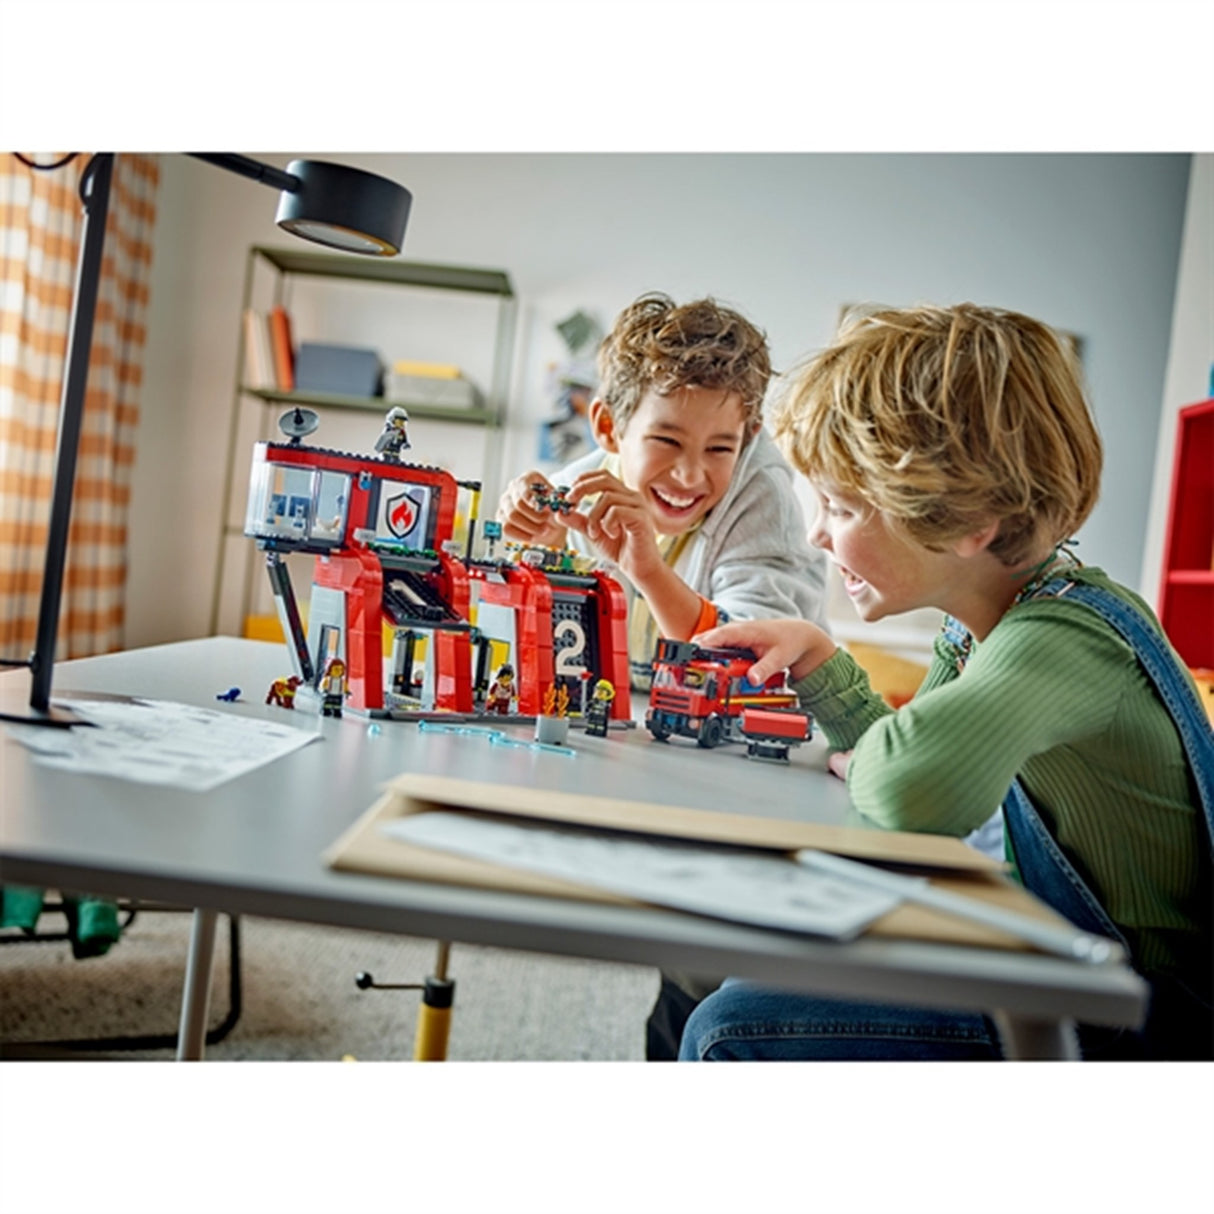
column 92, row 923
column 20, row 907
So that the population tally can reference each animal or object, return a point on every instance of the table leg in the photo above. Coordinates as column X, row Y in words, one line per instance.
column 196, row 992
column 1024, row 1037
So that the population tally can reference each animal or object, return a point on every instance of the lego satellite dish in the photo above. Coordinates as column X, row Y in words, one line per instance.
column 298, row 422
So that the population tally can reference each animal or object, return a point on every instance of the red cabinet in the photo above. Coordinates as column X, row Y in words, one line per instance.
column 1186, row 595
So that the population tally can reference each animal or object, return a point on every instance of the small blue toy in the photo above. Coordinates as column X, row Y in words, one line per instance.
column 230, row 696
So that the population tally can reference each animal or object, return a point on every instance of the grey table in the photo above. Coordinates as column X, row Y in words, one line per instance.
column 254, row 845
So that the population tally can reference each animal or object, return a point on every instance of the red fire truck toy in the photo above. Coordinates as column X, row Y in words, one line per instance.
column 699, row 693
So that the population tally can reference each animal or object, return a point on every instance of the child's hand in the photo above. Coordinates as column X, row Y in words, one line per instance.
column 617, row 524
column 793, row 645
column 838, row 763
column 523, row 520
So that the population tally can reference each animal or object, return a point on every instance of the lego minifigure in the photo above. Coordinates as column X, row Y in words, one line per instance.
column 230, row 696
column 395, row 436
column 501, row 691
column 333, row 688
column 599, row 709
column 282, row 691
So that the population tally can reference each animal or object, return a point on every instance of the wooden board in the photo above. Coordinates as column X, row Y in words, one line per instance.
column 953, row 865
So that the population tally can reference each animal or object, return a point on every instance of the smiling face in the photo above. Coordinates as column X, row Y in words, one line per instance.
column 678, row 451
column 884, row 573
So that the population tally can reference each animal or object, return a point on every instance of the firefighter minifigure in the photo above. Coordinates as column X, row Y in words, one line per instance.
column 282, row 691
column 333, row 688
column 395, row 436
column 501, row 691
column 599, row 709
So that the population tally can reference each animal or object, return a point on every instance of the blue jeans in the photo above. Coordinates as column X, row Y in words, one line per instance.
column 743, row 1022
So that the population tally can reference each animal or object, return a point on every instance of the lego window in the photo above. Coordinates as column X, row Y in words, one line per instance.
column 332, row 502
column 280, row 501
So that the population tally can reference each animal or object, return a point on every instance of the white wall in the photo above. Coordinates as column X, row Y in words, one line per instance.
column 1190, row 356
column 1088, row 243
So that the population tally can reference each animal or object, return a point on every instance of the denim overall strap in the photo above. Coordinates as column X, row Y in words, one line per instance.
column 1046, row 872
column 1043, row 867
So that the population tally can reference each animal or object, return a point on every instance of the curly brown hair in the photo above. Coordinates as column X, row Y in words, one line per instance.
column 656, row 343
column 946, row 418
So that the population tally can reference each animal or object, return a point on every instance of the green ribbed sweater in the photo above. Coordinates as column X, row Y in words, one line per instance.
column 1055, row 696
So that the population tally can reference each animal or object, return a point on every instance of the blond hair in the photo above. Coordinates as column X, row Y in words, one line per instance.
column 658, row 344
column 945, row 419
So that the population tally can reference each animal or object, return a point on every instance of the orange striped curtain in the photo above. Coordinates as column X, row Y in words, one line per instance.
column 40, row 228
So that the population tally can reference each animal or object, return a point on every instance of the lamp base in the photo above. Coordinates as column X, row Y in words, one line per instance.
column 19, row 712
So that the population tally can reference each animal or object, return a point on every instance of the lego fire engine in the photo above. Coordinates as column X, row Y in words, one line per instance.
column 700, row 693
column 381, row 532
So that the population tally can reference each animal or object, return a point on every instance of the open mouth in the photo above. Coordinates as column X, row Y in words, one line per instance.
column 677, row 505
column 851, row 583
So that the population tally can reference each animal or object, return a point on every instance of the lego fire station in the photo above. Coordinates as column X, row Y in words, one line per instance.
column 387, row 564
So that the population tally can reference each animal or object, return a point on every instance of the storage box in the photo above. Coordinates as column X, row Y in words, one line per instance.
column 454, row 393
column 342, row 370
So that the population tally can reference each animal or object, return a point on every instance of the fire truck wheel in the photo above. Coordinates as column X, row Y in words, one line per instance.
column 710, row 733
column 660, row 733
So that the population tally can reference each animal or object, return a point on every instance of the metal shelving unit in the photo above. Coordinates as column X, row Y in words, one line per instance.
column 286, row 264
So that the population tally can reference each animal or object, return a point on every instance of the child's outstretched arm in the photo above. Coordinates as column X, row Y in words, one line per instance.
column 793, row 645
column 523, row 519
column 620, row 528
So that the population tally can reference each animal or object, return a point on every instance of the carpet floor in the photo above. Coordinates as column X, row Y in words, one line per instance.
column 300, row 1001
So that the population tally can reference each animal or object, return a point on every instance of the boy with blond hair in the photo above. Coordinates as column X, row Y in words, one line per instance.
column 952, row 455
column 687, row 496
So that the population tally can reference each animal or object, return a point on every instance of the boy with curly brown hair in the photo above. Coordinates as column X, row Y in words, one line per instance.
column 687, row 497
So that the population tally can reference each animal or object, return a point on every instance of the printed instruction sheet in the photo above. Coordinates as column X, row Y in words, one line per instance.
column 725, row 883
column 160, row 742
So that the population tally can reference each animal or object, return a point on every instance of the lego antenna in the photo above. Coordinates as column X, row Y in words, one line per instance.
column 297, row 422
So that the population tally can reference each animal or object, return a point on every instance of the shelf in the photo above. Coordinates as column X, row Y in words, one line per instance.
column 399, row 273
column 490, row 291
column 376, row 404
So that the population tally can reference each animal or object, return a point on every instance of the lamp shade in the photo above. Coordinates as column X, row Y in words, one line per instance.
column 345, row 208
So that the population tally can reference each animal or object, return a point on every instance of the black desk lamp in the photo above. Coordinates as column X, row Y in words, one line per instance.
column 331, row 204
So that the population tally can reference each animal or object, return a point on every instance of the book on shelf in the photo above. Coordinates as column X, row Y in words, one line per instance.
column 258, row 356
column 284, row 354
column 411, row 366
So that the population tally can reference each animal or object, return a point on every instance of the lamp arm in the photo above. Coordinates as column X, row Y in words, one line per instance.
column 246, row 166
